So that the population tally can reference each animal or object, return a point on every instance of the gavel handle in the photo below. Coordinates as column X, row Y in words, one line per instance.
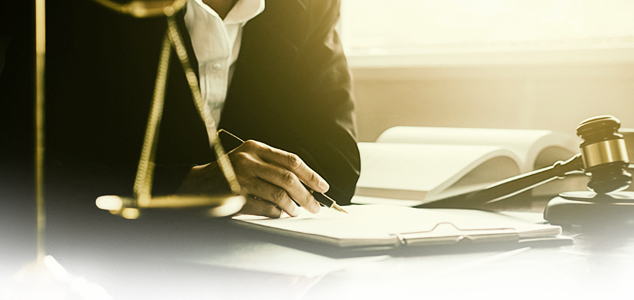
column 511, row 186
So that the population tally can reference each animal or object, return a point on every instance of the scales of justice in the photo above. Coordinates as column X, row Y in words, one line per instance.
column 45, row 278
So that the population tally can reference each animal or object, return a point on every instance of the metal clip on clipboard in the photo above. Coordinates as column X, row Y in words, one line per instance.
column 449, row 234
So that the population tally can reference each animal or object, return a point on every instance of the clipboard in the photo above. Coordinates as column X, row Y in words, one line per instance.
column 380, row 229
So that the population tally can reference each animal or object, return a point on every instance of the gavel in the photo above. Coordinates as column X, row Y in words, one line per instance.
column 605, row 160
column 604, row 154
column 603, row 157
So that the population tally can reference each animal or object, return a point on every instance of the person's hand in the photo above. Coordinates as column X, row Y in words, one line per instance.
column 272, row 179
column 237, row 284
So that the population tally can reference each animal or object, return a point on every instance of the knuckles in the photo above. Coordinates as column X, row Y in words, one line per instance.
column 251, row 145
column 241, row 158
column 294, row 162
column 279, row 195
column 313, row 177
column 289, row 179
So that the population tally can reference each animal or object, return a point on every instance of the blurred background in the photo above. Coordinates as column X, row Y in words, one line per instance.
column 544, row 64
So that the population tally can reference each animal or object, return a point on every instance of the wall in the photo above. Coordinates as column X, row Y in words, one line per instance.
column 528, row 96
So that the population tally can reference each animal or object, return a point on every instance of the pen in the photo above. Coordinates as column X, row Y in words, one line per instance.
column 325, row 200
column 320, row 197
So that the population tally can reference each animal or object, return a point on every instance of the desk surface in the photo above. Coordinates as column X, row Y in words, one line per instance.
column 209, row 259
column 594, row 268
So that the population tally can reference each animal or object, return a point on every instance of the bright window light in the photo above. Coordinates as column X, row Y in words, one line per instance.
column 414, row 27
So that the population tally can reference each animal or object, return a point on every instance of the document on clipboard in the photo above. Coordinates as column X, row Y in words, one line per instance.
column 398, row 226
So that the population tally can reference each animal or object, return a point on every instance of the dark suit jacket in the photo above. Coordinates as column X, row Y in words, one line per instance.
column 291, row 89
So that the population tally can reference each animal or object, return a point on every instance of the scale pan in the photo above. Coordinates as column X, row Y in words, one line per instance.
column 213, row 206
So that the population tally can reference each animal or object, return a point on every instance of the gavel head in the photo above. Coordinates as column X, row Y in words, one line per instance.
column 604, row 154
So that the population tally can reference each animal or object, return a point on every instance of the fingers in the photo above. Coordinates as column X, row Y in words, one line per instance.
column 271, row 175
column 256, row 206
column 292, row 163
column 286, row 184
column 272, row 183
column 276, row 177
column 274, row 195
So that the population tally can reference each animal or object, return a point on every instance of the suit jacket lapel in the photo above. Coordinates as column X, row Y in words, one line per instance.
column 271, row 40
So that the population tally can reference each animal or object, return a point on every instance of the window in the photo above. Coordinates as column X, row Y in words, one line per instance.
column 392, row 32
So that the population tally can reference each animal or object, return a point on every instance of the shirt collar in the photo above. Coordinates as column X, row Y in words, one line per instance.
column 244, row 10
column 241, row 12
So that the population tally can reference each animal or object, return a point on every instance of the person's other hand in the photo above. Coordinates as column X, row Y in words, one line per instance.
column 272, row 179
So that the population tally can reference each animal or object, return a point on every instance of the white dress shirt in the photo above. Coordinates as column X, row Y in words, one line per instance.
column 216, row 43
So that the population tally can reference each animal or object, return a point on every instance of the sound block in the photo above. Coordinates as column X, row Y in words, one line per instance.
column 589, row 210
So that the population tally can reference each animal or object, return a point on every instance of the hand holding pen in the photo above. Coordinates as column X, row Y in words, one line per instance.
column 274, row 180
column 322, row 198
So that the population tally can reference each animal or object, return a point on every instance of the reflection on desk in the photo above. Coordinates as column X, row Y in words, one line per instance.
column 172, row 258
column 224, row 283
column 595, row 267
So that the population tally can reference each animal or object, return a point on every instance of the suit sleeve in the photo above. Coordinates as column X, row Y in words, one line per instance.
column 324, row 89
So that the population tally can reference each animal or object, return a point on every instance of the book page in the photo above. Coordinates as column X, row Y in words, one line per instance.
column 527, row 144
column 426, row 172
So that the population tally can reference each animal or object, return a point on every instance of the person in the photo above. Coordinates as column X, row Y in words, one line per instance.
column 271, row 72
column 265, row 172
column 285, row 89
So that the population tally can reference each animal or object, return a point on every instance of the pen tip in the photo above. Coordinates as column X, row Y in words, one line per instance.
column 337, row 207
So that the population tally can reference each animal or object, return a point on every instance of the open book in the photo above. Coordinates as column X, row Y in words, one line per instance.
column 431, row 163
column 390, row 226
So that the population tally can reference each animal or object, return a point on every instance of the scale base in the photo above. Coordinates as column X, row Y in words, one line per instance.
column 46, row 279
column 587, row 210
